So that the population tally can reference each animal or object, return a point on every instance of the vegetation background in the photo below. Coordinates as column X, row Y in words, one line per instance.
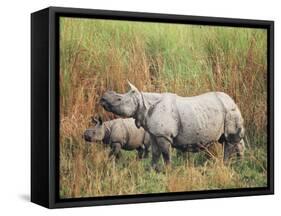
column 98, row 55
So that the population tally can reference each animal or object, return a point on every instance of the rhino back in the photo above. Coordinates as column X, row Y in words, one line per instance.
column 189, row 120
column 126, row 132
column 201, row 118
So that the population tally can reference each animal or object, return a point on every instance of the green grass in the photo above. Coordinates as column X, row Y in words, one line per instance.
column 97, row 55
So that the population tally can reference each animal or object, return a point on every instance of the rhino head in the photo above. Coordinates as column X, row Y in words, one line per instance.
column 95, row 133
column 130, row 104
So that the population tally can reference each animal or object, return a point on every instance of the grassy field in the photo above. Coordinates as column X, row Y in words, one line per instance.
column 97, row 55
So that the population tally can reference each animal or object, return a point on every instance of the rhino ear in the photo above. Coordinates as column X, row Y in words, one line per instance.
column 133, row 88
column 144, row 102
column 100, row 120
column 94, row 120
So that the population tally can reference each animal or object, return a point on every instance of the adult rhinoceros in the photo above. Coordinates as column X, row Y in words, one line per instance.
column 186, row 123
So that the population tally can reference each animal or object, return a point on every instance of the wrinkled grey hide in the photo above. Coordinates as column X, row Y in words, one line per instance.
column 186, row 123
column 119, row 134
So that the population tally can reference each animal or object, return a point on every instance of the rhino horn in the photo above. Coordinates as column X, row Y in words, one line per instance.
column 134, row 88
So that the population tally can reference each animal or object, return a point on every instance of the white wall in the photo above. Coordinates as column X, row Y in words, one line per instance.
column 15, row 105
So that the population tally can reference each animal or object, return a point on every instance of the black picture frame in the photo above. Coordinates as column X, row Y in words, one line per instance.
column 45, row 106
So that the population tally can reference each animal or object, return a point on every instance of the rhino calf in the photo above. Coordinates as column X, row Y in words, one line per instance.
column 119, row 134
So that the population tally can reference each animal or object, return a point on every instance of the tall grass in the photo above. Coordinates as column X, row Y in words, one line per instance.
column 97, row 55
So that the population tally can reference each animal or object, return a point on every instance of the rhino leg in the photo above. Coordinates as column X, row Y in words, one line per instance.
column 146, row 151
column 146, row 144
column 156, row 153
column 228, row 150
column 164, row 147
column 182, row 154
column 240, row 148
column 140, row 150
column 115, row 150
column 233, row 148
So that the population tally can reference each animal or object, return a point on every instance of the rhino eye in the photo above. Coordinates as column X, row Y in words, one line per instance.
column 119, row 99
